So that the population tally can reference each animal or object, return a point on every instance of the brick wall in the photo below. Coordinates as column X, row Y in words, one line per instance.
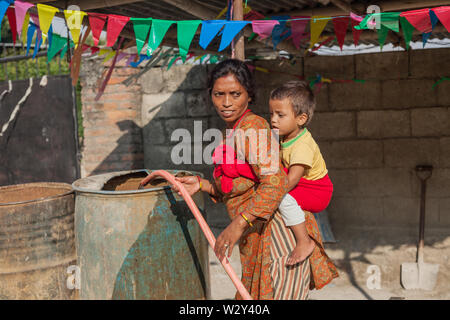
column 371, row 134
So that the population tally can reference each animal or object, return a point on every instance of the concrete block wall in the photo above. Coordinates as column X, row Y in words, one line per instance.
column 371, row 134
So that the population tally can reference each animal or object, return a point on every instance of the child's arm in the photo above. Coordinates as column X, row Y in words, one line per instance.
column 295, row 173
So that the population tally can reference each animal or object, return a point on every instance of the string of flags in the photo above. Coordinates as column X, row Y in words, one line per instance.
column 279, row 28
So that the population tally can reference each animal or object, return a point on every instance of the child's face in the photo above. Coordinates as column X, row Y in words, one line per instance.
column 283, row 118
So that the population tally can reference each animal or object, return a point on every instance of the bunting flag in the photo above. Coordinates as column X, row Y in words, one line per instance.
column 30, row 33
column 443, row 13
column 340, row 29
column 264, row 28
column 298, row 29
column 231, row 29
column 318, row 23
column 407, row 29
column 21, row 9
column 141, row 28
column 185, row 33
column 280, row 31
column 25, row 24
column 38, row 42
column 425, row 36
column 420, row 19
column 46, row 14
column 58, row 44
column 210, row 28
column 157, row 33
column 12, row 23
column 4, row 4
column 115, row 25
column 97, row 22
column 74, row 21
column 356, row 33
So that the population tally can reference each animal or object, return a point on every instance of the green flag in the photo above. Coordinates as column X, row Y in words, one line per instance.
column 159, row 29
column 141, row 28
column 387, row 19
column 185, row 33
column 382, row 34
column 58, row 43
column 407, row 30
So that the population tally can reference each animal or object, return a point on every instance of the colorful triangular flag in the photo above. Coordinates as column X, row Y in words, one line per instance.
column 21, row 9
column 46, row 14
column 407, row 29
column 185, row 33
column 340, row 29
column 157, row 33
column 12, row 22
column 115, row 25
column 298, row 29
column 264, row 27
column 74, row 20
column 141, row 28
column 4, row 4
column 58, row 43
column 281, row 31
column 425, row 36
column 443, row 13
column 231, row 29
column 318, row 23
column 97, row 22
column 210, row 28
column 420, row 19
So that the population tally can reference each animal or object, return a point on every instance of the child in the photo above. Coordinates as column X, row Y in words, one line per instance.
column 291, row 109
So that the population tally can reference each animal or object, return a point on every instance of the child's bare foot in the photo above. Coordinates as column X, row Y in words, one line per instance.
column 301, row 252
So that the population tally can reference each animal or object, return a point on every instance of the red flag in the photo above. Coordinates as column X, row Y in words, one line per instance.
column 443, row 13
column 420, row 19
column 356, row 33
column 340, row 29
column 298, row 29
column 115, row 25
column 253, row 15
column 12, row 22
column 97, row 22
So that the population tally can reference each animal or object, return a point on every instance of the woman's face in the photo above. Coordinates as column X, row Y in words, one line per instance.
column 230, row 99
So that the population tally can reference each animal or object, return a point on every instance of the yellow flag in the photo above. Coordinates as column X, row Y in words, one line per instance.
column 109, row 56
column 318, row 23
column 74, row 20
column 46, row 14
column 26, row 22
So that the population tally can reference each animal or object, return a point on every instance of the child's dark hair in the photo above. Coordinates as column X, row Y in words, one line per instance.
column 300, row 95
column 237, row 68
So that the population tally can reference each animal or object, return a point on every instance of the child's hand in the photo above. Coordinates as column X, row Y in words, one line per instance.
column 190, row 183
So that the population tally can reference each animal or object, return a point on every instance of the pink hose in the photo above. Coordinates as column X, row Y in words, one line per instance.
column 203, row 225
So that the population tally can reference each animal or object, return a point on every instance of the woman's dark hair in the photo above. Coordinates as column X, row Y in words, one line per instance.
column 237, row 68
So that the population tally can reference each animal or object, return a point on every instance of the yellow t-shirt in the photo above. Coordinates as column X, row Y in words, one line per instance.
column 304, row 150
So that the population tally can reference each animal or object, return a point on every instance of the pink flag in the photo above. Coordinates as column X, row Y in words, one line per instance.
column 264, row 27
column 298, row 29
column 115, row 25
column 35, row 19
column 443, row 13
column 340, row 29
column 21, row 10
column 420, row 19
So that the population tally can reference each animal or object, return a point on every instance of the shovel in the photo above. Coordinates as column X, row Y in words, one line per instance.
column 420, row 275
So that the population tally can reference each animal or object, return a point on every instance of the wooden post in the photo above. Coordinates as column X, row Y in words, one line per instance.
column 238, row 14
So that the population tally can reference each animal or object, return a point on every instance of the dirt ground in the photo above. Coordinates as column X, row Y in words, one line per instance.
column 355, row 252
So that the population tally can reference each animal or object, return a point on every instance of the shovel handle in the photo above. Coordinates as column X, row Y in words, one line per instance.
column 423, row 173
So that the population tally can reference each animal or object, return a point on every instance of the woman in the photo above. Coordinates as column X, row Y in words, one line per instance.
column 252, row 199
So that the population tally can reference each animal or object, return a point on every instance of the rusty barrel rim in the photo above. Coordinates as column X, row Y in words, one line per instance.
column 55, row 185
column 76, row 185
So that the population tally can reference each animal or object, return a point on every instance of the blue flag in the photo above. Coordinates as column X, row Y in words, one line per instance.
column 30, row 34
column 232, row 28
column 210, row 28
column 434, row 20
column 280, row 31
column 4, row 4
column 37, row 44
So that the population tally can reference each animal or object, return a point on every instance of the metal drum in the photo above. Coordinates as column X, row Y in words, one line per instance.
column 37, row 243
column 138, row 244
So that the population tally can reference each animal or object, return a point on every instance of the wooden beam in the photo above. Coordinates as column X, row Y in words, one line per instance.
column 204, row 13
column 385, row 6
column 344, row 6
column 239, row 45
column 85, row 4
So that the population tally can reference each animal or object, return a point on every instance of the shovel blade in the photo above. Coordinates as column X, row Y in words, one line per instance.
column 419, row 275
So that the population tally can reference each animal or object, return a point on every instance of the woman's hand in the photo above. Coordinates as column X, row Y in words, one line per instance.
column 190, row 183
column 228, row 238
